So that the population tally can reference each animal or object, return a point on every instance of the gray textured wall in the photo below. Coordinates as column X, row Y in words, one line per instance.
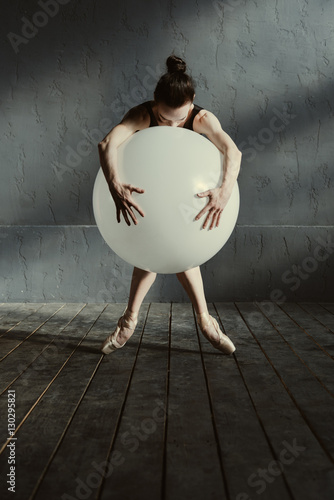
column 71, row 69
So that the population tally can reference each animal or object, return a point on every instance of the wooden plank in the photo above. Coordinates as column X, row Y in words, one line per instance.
column 140, row 437
column 45, row 336
column 83, row 415
column 91, row 430
column 307, row 425
column 193, row 468
column 319, row 313
column 239, row 428
column 9, row 309
column 36, row 379
column 13, row 314
column 307, row 476
column 329, row 306
column 304, row 340
column 321, row 335
column 22, row 331
column 47, row 420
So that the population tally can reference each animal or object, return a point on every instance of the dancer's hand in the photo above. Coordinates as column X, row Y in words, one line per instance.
column 218, row 199
column 122, row 196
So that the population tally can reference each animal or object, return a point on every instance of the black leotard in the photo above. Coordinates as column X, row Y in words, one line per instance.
column 188, row 124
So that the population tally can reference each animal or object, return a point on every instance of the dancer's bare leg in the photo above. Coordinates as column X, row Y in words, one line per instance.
column 192, row 282
column 140, row 284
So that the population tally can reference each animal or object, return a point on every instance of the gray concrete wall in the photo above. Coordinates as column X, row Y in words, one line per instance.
column 70, row 69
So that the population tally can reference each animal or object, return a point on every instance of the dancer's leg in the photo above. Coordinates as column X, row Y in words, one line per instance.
column 193, row 284
column 140, row 284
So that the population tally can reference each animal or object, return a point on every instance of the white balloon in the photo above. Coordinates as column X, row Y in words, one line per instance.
column 172, row 164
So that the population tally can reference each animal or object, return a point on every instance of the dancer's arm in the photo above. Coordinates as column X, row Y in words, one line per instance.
column 207, row 123
column 136, row 119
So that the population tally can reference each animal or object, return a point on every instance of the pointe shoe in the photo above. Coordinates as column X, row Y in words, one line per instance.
column 111, row 344
column 207, row 322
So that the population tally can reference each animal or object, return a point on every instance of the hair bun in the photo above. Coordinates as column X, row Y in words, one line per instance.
column 176, row 65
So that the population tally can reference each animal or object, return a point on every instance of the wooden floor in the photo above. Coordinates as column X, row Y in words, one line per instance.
column 168, row 416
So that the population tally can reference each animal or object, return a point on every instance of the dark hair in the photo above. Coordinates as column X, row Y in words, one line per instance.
column 175, row 87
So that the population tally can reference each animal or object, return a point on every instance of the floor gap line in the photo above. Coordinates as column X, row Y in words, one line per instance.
column 314, row 432
column 306, row 333
column 67, row 426
column 36, row 329
column 214, row 425
column 121, row 411
column 41, row 353
column 164, row 452
column 47, row 387
column 273, row 452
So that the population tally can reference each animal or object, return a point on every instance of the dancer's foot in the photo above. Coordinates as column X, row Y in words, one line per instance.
column 124, row 329
column 211, row 331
